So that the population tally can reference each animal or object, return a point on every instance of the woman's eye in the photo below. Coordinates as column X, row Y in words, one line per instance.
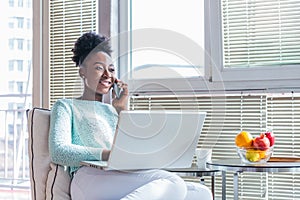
column 99, row 68
column 112, row 69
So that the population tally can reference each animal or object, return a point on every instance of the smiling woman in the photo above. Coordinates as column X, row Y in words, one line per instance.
column 92, row 53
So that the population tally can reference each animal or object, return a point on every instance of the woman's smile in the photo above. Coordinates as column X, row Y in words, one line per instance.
column 106, row 83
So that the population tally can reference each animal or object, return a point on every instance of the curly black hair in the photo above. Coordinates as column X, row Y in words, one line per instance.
column 87, row 43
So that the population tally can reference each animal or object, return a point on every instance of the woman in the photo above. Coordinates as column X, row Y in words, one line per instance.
column 83, row 129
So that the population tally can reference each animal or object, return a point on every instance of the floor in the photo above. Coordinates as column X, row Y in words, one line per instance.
column 18, row 194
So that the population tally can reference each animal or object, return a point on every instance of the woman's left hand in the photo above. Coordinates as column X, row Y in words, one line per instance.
column 121, row 103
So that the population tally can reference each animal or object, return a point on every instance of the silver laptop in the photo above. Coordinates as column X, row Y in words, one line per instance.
column 153, row 139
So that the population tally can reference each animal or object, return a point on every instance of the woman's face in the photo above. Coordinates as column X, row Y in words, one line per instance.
column 98, row 72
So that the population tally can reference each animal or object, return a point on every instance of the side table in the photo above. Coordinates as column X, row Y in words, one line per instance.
column 194, row 171
column 236, row 166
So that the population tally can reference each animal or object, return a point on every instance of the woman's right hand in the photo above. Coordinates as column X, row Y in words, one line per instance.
column 121, row 102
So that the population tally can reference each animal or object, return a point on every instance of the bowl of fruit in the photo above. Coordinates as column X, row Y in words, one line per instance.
column 257, row 149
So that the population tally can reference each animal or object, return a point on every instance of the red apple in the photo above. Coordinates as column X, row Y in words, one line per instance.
column 261, row 142
column 271, row 137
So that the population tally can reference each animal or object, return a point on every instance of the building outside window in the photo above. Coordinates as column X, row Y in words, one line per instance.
column 15, row 90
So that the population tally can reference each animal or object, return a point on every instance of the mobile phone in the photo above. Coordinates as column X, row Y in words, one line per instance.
column 117, row 90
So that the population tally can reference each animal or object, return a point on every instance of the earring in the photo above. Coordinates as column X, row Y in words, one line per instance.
column 83, row 77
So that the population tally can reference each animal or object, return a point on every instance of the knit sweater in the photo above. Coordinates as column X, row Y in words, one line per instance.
column 80, row 130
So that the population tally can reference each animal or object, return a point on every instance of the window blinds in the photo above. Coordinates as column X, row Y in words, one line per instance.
column 226, row 116
column 68, row 20
column 284, row 117
column 261, row 32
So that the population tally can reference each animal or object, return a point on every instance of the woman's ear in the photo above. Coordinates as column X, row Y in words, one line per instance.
column 82, row 72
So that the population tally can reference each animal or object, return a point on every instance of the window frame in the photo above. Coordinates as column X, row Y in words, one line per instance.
column 181, row 85
column 216, row 77
column 40, row 54
column 243, row 78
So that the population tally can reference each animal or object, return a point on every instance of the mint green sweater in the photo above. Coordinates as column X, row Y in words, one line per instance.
column 80, row 130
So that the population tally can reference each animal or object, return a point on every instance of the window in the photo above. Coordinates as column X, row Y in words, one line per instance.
column 20, row 21
column 11, row 23
column 20, row 87
column 11, row 65
column 64, row 30
column 29, row 65
column 11, row 3
column 10, row 106
column 163, row 53
column 11, row 44
column 20, row 3
column 20, row 43
column 20, row 65
column 10, row 129
column 238, row 49
column 29, row 45
column 20, row 112
column 11, row 86
column 29, row 23
column 29, row 3
column 173, row 48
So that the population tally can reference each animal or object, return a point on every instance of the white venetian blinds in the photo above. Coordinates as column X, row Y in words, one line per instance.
column 68, row 20
column 261, row 32
column 284, row 117
column 226, row 116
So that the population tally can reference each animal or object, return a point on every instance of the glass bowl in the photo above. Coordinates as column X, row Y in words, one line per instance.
column 252, row 155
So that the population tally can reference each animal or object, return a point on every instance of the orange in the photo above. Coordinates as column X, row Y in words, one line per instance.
column 243, row 139
column 262, row 154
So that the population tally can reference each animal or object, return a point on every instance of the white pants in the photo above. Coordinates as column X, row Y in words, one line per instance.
column 93, row 184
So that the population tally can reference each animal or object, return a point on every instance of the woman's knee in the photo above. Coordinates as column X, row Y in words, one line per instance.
column 175, row 184
column 197, row 191
column 178, row 185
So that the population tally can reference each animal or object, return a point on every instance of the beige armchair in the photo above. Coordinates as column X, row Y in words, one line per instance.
column 48, row 180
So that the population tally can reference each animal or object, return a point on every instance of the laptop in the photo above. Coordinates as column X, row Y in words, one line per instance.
column 153, row 139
